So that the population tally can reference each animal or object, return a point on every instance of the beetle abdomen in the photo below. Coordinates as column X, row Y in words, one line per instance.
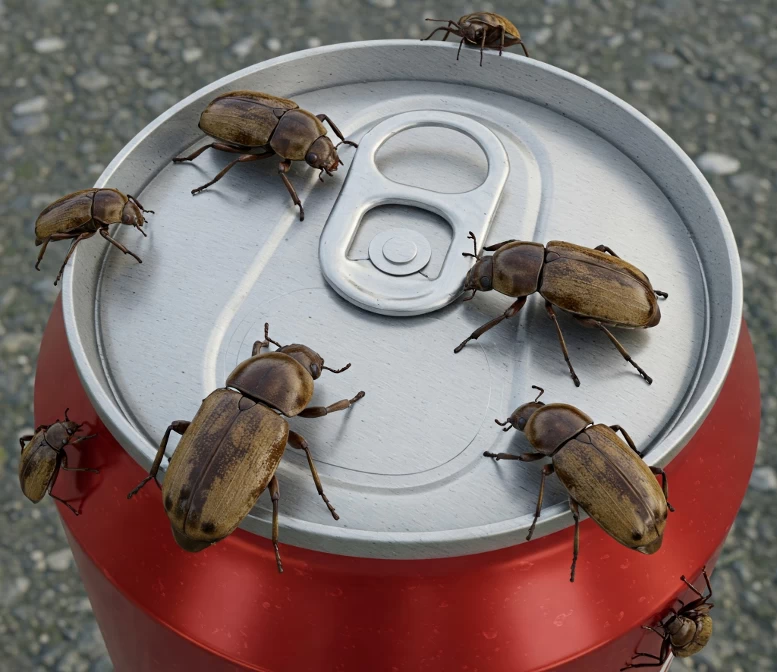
column 222, row 464
column 241, row 120
column 703, row 633
column 297, row 131
column 593, row 284
column 37, row 465
column 65, row 214
column 517, row 268
column 108, row 206
column 275, row 379
column 614, row 486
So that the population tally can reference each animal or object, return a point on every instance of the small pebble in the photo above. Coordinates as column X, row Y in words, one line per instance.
column 383, row 4
column 664, row 61
column 49, row 45
column 764, row 479
column 274, row 44
column 92, row 80
column 31, row 106
column 60, row 560
column 714, row 163
column 30, row 124
column 191, row 54
column 243, row 47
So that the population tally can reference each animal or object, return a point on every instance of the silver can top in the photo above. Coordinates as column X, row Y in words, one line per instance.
column 373, row 280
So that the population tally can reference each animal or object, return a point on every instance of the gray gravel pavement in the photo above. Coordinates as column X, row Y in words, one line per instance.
column 79, row 78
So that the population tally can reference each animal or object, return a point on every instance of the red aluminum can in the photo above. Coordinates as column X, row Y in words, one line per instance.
column 427, row 569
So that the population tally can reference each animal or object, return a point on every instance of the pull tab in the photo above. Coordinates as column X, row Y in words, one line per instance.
column 391, row 284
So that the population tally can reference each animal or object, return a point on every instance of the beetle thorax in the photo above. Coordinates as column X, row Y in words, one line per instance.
column 58, row 435
column 551, row 426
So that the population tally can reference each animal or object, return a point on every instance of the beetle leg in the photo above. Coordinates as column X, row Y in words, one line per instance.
column 275, row 494
column 621, row 349
column 461, row 44
column 179, row 426
column 41, row 253
column 82, row 438
column 664, row 486
column 82, row 236
column 104, row 233
column 323, row 117
column 496, row 246
column 576, row 516
column 61, row 457
column 245, row 158
column 693, row 588
column 618, row 428
column 298, row 441
column 214, row 145
column 552, row 315
column 319, row 411
column 525, row 457
column 510, row 312
column 137, row 202
column 502, row 41
column 547, row 470
column 447, row 29
column 482, row 46
column 282, row 168
column 64, row 466
column 525, row 50
column 604, row 248
column 24, row 439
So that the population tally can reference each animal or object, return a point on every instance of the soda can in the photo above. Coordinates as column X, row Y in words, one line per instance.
column 428, row 568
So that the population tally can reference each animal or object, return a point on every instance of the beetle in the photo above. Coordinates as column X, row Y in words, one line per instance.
column 686, row 631
column 230, row 450
column 43, row 455
column 80, row 215
column 257, row 126
column 596, row 286
column 605, row 477
column 486, row 29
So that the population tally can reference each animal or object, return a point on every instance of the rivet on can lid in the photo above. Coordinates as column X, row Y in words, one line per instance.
column 400, row 251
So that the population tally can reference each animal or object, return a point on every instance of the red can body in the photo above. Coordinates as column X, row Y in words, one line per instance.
column 513, row 610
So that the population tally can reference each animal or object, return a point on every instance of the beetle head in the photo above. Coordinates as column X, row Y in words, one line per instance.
column 322, row 155
column 481, row 276
column 521, row 415
column 60, row 433
column 131, row 215
column 311, row 361
column 472, row 32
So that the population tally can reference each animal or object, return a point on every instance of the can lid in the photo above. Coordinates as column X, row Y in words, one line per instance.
column 404, row 466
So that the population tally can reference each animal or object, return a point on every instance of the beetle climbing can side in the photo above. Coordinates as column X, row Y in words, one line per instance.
column 427, row 568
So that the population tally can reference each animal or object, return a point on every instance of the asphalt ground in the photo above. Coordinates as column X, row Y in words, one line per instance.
column 79, row 79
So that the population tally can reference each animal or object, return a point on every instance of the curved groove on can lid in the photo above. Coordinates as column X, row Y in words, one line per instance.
column 404, row 466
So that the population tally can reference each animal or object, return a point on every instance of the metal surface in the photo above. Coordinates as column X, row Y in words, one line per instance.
column 396, row 293
column 404, row 467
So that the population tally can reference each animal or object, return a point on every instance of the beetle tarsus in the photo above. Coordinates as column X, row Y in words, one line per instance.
column 576, row 515
column 661, row 294
column 139, row 486
column 62, row 501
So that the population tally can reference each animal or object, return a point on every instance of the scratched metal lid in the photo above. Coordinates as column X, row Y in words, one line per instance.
column 372, row 277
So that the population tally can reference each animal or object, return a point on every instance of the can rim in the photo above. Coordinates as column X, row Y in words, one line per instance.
column 385, row 544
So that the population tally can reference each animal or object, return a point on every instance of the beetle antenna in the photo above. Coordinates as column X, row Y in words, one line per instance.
column 141, row 230
column 474, row 244
column 474, row 291
column 345, row 368
column 540, row 394
column 267, row 335
column 502, row 424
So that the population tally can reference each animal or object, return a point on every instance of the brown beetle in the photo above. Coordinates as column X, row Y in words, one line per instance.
column 485, row 29
column 43, row 454
column 687, row 630
column 230, row 451
column 80, row 215
column 605, row 477
column 596, row 286
column 257, row 126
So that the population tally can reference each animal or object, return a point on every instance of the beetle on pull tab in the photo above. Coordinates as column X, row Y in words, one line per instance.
column 605, row 477
column 231, row 449
column 257, row 126
column 596, row 286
